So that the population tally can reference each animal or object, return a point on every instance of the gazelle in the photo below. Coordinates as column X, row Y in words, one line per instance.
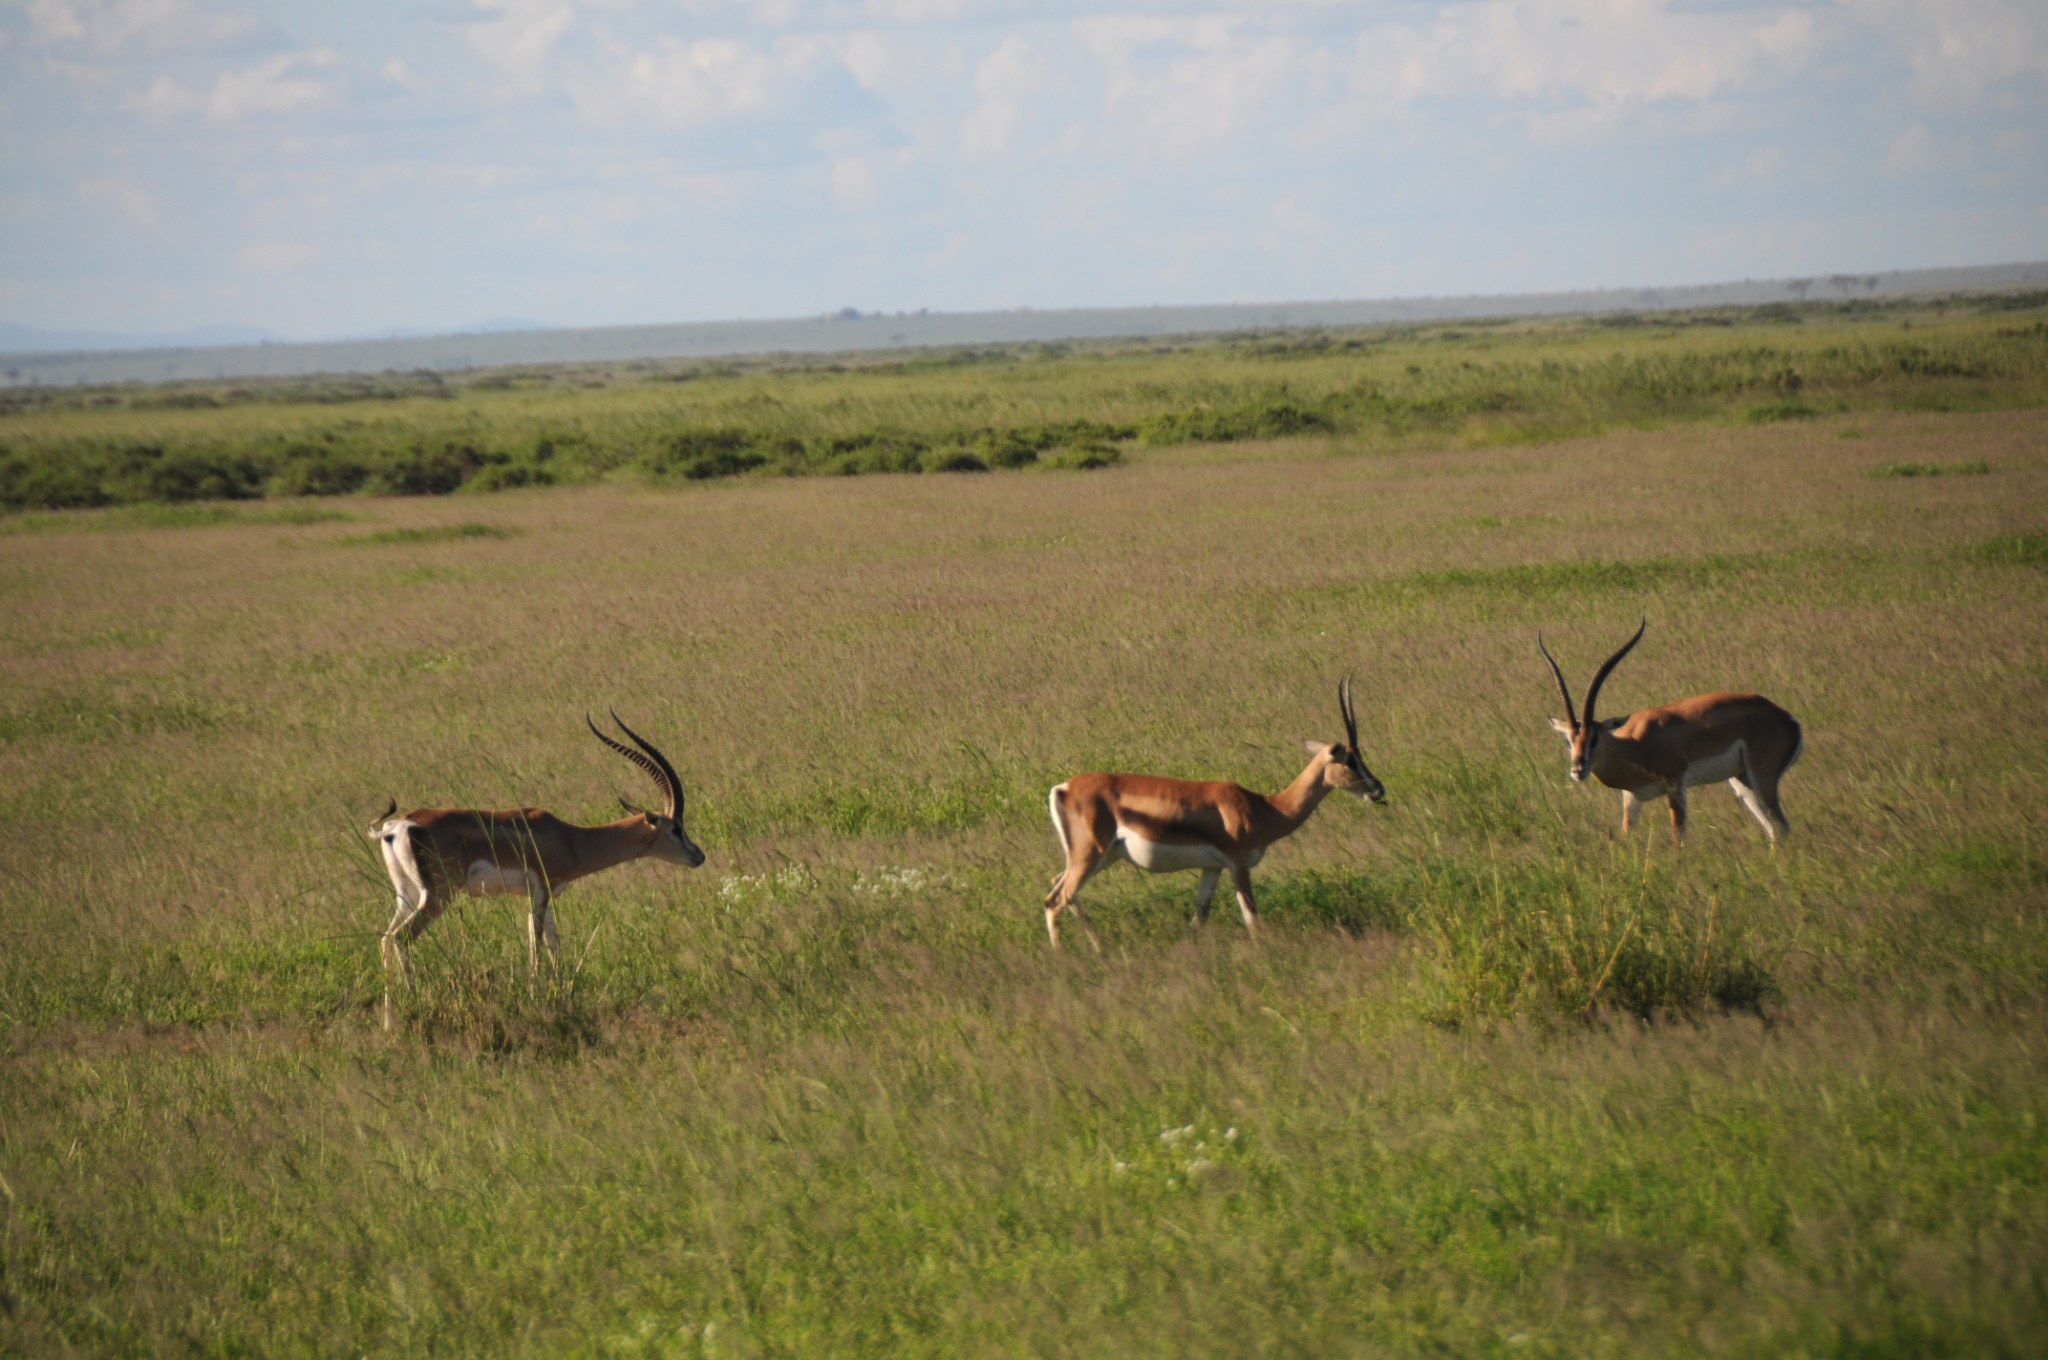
column 1661, row 752
column 434, row 853
column 1163, row 825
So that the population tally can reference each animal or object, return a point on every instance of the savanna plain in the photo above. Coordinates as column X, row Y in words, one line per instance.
column 1499, row 1080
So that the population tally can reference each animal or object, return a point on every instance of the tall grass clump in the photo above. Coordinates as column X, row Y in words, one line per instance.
column 1554, row 939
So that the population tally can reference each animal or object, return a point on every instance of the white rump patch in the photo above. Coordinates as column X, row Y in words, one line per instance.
column 395, row 841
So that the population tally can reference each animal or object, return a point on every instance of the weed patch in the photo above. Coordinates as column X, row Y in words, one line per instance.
column 2028, row 548
column 1975, row 467
column 1772, row 412
column 440, row 533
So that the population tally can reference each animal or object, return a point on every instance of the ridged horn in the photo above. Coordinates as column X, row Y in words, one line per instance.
column 647, row 758
column 1600, row 677
column 1569, row 715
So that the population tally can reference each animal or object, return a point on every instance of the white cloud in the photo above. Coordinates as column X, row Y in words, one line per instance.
column 277, row 257
column 853, row 180
column 1006, row 78
column 914, row 11
column 283, row 84
column 682, row 84
column 1607, row 56
column 1758, row 166
column 110, row 27
column 1960, row 48
column 126, row 197
column 165, row 99
column 1290, row 214
column 520, row 34
column 1178, row 85
column 1912, row 151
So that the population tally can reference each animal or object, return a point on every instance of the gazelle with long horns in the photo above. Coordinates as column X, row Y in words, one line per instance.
column 1661, row 752
column 434, row 853
column 1163, row 825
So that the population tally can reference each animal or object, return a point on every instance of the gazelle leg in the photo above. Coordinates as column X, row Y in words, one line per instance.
column 1755, row 806
column 1767, row 794
column 1629, row 804
column 1207, row 890
column 1678, row 813
column 407, row 924
column 540, row 929
column 1082, row 862
column 1241, row 879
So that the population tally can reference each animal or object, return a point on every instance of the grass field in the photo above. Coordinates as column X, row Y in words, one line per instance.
column 1499, row 1081
column 1382, row 389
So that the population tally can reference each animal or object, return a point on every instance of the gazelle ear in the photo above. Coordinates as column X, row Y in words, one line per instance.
column 1314, row 748
column 1563, row 728
column 633, row 808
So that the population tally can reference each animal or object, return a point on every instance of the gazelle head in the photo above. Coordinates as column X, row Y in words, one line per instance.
column 1345, row 767
column 1582, row 733
column 670, row 841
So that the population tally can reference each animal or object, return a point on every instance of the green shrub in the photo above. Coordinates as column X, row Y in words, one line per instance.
column 429, row 472
column 203, row 477
column 320, row 474
column 508, row 476
column 1774, row 411
column 50, row 484
column 1268, row 418
column 956, row 460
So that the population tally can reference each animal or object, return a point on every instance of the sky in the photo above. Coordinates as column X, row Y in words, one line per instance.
column 334, row 169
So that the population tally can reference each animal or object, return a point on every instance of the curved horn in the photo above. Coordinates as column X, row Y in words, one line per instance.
column 1563, row 693
column 671, row 782
column 1593, row 690
column 657, row 768
column 1350, row 714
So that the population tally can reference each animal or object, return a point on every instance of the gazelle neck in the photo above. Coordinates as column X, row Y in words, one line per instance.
column 597, row 848
column 1297, row 802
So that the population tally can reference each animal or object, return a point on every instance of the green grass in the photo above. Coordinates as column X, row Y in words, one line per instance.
column 1042, row 407
column 2028, row 548
column 1499, row 1080
column 189, row 515
column 1976, row 467
column 435, row 533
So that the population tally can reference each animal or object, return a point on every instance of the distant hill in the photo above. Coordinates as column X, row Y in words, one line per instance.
column 16, row 339
column 513, row 342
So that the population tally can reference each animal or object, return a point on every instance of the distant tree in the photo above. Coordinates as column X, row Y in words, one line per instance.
column 1798, row 287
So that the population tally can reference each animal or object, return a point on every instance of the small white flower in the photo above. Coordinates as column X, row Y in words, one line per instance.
column 1230, row 1134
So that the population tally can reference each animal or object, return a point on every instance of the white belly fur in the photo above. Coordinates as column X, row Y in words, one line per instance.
column 1727, row 765
column 1160, row 857
column 487, row 879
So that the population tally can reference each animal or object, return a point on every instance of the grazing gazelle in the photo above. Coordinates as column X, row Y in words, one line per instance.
column 1162, row 825
column 434, row 853
column 1661, row 752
